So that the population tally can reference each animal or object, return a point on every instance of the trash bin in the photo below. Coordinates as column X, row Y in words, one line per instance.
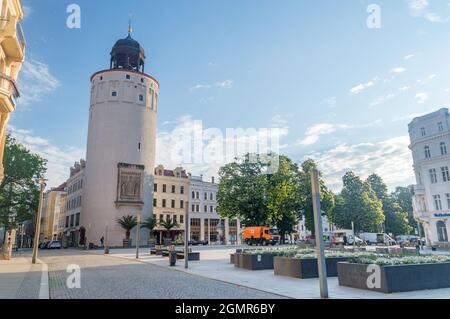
column 173, row 258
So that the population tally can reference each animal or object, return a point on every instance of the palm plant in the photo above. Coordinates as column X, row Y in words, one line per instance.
column 150, row 223
column 168, row 224
column 127, row 223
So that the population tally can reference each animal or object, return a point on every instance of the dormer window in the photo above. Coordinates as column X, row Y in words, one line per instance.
column 128, row 76
column 440, row 127
column 427, row 152
column 423, row 132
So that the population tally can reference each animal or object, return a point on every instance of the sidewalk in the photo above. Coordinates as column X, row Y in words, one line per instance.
column 19, row 278
column 215, row 264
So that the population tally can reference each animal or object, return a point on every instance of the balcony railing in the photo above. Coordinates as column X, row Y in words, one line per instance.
column 9, row 85
column 21, row 36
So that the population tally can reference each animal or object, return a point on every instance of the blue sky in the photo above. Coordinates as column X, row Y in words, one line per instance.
column 342, row 93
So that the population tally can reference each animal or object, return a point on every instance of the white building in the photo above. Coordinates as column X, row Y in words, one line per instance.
column 205, row 222
column 430, row 146
column 121, row 145
column 303, row 233
column 72, row 222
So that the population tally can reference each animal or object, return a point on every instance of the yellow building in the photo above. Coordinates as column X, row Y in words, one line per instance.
column 12, row 53
column 170, row 196
column 53, row 209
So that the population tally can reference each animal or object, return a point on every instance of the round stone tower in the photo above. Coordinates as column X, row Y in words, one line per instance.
column 121, row 146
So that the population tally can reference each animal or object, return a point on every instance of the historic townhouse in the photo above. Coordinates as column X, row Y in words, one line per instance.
column 12, row 54
column 430, row 146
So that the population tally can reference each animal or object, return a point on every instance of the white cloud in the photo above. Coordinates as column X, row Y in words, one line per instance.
column 408, row 57
column 397, row 70
column 202, row 150
column 60, row 159
column 361, row 87
column 382, row 99
column 391, row 159
column 422, row 97
column 226, row 84
column 404, row 88
column 35, row 82
column 316, row 131
column 421, row 9
column 331, row 102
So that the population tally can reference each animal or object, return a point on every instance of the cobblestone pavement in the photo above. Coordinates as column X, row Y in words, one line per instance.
column 111, row 277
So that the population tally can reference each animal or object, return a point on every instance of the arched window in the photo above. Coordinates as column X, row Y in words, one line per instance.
column 427, row 152
column 443, row 149
column 193, row 194
column 442, row 232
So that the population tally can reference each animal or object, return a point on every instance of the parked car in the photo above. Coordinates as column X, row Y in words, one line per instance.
column 55, row 244
column 377, row 239
column 198, row 242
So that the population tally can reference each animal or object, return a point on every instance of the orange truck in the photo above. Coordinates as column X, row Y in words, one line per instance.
column 261, row 235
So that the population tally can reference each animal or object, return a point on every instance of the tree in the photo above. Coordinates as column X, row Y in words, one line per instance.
column 304, row 194
column 242, row 192
column 127, row 223
column 359, row 204
column 396, row 219
column 283, row 202
column 169, row 224
column 403, row 197
column 19, row 190
column 150, row 224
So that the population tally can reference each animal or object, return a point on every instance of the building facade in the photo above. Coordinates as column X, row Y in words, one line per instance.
column 121, row 145
column 73, row 234
column 430, row 146
column 170, row 197
column 12, row 54
column 205, row 222
column 53, row 207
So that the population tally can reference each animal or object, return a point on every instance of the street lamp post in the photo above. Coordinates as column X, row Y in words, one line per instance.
column 106, row 239
column 137, row 234
column 319, row 234
column 38, row 221
column 186, row 237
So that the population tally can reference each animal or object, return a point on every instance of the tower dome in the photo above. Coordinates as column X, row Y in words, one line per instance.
column 128, row 54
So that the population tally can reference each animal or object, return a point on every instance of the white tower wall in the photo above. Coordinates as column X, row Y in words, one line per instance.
column 122, row 129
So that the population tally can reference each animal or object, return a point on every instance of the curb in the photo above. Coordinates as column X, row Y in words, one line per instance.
column 44, row 289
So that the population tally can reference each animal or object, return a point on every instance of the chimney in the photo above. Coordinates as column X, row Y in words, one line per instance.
column 212, row 179
column 201, row 177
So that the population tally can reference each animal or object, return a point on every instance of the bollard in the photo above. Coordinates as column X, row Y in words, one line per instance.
column 173, row 258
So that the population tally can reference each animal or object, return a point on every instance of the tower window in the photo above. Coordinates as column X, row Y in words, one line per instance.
column 422, row 131
column 101, row 78
column 142, row 80
column 128, row 77
column 141, row 97
column 139, row 146
column 114, row 93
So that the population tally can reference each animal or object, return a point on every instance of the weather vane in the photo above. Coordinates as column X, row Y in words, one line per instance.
column 129, row 26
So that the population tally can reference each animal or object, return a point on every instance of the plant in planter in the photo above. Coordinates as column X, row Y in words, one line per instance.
column 127, row 223
column 396, row 273
column 260, row 259
column 304, row 263
column 150, row 224
column 169, row 224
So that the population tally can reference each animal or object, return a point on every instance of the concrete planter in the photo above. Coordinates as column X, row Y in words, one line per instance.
column 254, row 261
column 191, row 256
column 398, row 278
column 304, row 268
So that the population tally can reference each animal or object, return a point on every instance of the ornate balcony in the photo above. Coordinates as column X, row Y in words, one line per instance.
column 8, row 94
column 14, row 40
